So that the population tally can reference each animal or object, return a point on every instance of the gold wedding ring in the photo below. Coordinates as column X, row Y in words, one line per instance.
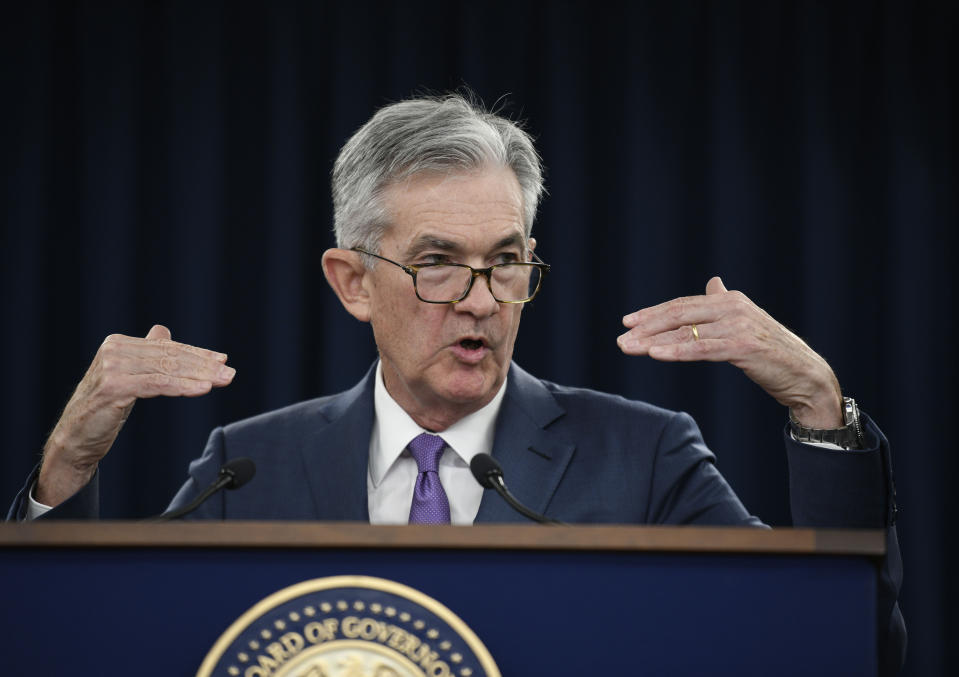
column 695, row 333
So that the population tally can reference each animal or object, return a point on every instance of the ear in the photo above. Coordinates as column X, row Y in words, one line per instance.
column 346, row 273
column 531, row 244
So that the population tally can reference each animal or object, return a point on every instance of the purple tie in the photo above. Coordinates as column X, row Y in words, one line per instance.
column 430, row 505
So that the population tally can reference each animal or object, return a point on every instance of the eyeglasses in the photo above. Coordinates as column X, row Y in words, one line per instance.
column 517, row 282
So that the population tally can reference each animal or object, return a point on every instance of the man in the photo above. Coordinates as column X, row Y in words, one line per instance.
column 434, row 205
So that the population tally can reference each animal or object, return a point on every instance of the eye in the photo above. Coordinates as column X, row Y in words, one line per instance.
column 505, row 257
column 426, row 259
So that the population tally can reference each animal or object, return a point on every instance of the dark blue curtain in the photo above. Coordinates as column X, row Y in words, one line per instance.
column 169, row 162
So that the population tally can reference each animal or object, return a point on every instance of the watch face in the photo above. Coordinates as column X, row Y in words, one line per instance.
column 849, row 410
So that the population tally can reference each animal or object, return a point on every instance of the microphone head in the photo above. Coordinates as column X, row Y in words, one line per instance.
column 240, row 470
column 484, row 468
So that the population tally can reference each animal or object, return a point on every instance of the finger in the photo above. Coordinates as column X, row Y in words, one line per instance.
column 158, row 331
column 715, row 286
column 183, row 366
column 155, row 385
column 123, row 356
column 639, row 345
column 676, row 313
column 134, row 343
column 708, row 350
column 165, row 357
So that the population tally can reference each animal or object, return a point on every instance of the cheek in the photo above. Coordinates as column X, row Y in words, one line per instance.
column 409, row 330
column 392, row 326
column 512, row 322
column 391, row 306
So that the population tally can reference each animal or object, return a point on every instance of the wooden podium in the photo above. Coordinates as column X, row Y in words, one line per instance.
column 127, row 598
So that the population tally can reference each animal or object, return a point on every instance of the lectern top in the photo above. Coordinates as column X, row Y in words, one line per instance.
column 321, row 535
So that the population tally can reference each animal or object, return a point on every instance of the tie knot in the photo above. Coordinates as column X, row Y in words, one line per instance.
column 427, row 449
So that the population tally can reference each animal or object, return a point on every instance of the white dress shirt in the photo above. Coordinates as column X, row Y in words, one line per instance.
column 392, row 471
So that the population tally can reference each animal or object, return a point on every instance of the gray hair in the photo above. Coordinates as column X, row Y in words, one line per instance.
column 427, row 134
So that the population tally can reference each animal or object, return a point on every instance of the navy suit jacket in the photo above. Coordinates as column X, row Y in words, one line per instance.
column 576, row 455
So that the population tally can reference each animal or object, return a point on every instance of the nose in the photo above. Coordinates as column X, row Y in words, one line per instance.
column 479, row 301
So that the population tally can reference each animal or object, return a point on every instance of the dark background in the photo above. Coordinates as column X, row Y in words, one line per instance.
column 169, row 162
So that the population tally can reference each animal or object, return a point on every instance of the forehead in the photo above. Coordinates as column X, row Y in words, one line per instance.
column 469, row 210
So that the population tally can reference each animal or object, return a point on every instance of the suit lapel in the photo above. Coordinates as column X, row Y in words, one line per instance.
column 336, row 455
column 533, row 458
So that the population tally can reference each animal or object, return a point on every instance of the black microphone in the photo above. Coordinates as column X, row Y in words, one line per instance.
column 233, row 475
column 489, row 474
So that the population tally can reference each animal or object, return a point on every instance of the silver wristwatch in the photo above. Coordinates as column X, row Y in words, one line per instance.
column 848, row 437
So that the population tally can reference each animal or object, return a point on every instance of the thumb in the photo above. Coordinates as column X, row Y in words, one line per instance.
column 158, row 331
column 715, row 286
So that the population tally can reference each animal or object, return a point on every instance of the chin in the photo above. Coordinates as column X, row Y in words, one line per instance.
column 470, row 387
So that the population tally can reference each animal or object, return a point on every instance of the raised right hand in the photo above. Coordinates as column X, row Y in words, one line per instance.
column 124, row 369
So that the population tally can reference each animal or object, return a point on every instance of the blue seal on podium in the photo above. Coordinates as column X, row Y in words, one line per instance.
column 348, row 626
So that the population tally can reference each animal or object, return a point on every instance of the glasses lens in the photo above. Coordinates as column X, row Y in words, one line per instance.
column 442, row 284
column 515, row 281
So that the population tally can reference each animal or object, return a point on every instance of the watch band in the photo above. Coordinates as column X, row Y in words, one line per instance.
column 848, row 437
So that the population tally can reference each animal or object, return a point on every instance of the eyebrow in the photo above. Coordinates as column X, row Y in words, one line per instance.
column 509, row 241
column 424, row 242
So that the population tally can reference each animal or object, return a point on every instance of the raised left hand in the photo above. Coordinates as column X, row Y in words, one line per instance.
column 731, row 328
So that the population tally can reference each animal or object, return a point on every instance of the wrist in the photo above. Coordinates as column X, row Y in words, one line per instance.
column 55, row 486
column 60, row 475
column 821, row 406
column 825, row 416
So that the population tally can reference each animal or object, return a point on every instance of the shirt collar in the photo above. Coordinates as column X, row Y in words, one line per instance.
column 393, row 430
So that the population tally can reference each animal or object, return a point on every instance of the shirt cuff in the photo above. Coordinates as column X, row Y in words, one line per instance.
column 821, row 445
column 35, row 509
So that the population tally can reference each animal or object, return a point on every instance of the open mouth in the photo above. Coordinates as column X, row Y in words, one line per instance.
column 471, row 344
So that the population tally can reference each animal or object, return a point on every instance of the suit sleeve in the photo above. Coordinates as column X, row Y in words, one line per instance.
column 855, row 489
column 83, row 505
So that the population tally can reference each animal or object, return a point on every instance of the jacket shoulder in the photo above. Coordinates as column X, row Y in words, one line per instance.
column 312, row 413
column 594, row 403
column 293, row 414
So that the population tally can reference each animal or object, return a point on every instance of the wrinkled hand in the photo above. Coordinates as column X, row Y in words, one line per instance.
column 733, row 329
column 124, row 369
